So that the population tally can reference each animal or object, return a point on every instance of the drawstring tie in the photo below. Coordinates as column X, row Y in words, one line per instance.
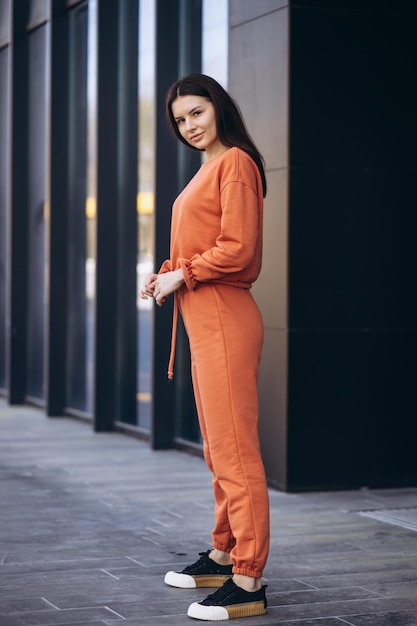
column 173, row 337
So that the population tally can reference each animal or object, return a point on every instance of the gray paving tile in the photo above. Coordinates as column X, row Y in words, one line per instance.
column 400, row 618
column 46, row 579
column 331, row 621
column 395, row 589
column 316, row 596
column 8, row 568
column 371, row 580
column 24, row 605
column 343, row 609
column 53, row 618
column 100, row 623
column 337, row 564
column 164, row 620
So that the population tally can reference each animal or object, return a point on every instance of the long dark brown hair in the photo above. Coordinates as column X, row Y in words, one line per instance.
column 231, row 128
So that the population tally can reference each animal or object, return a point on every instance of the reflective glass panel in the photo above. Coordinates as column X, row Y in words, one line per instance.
column 79, row 281
column 90, row 207
column 36, row 214
column 215, row 40
column 145, row 206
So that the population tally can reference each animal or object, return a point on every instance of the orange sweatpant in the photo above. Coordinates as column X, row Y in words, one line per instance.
column 225, row 331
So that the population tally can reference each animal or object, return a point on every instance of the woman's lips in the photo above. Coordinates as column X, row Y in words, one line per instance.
column 197, row 137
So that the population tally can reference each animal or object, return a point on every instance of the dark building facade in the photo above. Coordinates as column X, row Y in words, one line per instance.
column 88, row 174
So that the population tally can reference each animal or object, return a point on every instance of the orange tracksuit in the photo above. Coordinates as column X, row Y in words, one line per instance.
column 216, row 238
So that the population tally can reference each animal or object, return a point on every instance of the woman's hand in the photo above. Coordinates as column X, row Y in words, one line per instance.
column 148, row 288
column 159, row 286
column 165, row 284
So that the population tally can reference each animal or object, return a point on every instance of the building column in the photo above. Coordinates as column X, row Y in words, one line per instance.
column 18, row 210
column 5, row 109
column 166, row 189
column 127, row 188
column 56, row 334
column 107, row 219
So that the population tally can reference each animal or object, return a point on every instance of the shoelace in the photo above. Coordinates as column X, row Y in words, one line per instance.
column 223, row 592
column 204, row 556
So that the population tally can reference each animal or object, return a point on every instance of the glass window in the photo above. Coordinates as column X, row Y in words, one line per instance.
column 145, row 206
column 215, row 40
column 36, row 213
column 90, row 207
column 5, row 14
column 82, row 209
column 39, row 12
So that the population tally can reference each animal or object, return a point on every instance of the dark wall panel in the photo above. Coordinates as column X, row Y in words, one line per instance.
column 4, row 147
column 353, row 97
column 352, row 248
column 352, row 409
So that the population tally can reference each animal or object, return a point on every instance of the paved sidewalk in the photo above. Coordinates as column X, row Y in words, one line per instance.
column 89, row 524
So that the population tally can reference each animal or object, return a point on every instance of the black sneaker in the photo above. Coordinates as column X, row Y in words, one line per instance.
column 203, row 573
column 228, row 602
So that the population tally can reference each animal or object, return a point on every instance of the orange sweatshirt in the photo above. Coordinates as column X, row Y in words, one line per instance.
column 216, row 228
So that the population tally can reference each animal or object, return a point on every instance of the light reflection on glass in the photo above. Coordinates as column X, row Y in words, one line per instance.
column 145, row 205
column 215, row 40
column 90, row 208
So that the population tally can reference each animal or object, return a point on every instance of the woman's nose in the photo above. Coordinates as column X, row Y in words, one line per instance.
column 189, row 124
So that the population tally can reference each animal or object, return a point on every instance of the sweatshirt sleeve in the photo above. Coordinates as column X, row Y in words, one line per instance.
column 236, row 242
column 165, row 267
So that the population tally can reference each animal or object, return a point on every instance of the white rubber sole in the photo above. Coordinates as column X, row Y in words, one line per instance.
column 185, row 581
column 207, row 613
column 182, row 581
column 220, row 613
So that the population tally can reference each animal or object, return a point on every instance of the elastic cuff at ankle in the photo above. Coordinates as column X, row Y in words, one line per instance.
column 244, row 571
column 222, row 547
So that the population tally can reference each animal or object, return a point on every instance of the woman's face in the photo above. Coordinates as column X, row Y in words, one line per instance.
column 196, row 120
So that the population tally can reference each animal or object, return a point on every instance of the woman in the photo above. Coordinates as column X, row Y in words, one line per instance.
column 216, row 250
